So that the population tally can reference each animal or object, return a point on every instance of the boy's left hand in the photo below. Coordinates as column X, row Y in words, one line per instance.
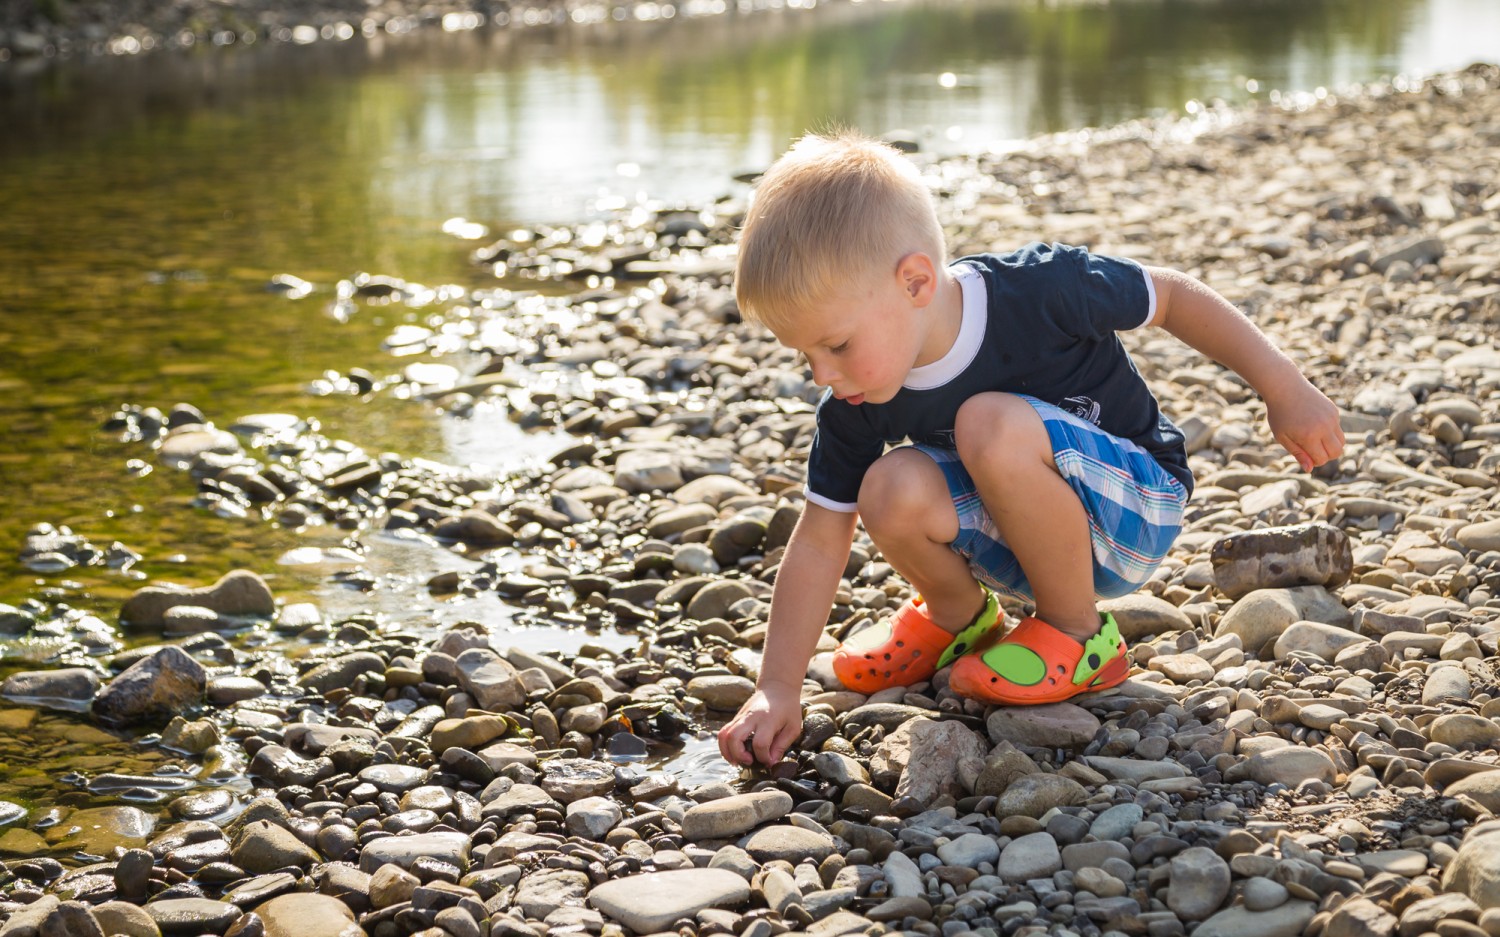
column 1306, row 423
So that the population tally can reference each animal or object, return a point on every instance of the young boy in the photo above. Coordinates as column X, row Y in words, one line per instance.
column 1040, row 464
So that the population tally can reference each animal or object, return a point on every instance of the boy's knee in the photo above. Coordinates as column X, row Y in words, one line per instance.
column 899, row 485
column 996, row 428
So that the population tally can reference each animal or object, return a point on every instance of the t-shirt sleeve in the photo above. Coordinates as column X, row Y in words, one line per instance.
column 1097, row 295
column 843, row 449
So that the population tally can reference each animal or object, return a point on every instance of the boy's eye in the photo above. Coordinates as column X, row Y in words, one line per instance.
column 840, row 348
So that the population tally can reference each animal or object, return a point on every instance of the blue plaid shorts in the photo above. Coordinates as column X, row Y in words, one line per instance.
column 1134, row 507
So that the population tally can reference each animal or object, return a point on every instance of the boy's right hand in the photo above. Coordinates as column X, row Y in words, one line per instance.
column 766, row 725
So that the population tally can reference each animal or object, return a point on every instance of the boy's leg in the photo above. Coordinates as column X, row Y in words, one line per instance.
column 906, row 508
column 1008, row 453
column 1082, row 514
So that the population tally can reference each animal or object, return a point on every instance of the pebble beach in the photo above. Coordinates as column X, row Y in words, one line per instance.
column 1308, row 742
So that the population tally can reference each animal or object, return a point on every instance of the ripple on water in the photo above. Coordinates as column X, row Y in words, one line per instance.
column 698, row 763
column 71, row 790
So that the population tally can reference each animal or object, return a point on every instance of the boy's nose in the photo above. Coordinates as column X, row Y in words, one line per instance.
column 823, row 375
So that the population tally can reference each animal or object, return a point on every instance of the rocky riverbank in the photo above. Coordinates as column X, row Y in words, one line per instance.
column 1308, row 745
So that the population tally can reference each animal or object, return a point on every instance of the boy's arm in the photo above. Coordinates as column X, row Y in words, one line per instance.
column 1301, row 418
column 806, row 581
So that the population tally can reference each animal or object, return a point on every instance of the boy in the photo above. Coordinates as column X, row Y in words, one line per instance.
column 1040, row 467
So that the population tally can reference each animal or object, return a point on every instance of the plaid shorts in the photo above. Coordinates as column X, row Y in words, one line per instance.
column 1134, row 507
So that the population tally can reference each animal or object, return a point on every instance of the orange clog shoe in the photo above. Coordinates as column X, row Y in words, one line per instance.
column 1036, row 663
column 908, row 647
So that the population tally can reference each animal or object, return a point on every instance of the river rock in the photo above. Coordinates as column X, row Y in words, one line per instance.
column 969, row 850
column 654, row 901
column 1480, row 537
column 1140, row 616
column 1054, row 725
column 472, row 732
column 1314, row 554
column 239, row 593
column 1464, row 729
column 452, row 848
column 722, row 692
column 184, row 916
column 1034, row 855
column 570, row 779
column 1287, row 920
column 68, row 685
column 543, row 892
column 646, row 470
column 1291, row 766
column 122, row 917
column 1484, row 787
column 792, row 843
column 1034, row 794
column 1360, row 917
column 341, row 671
column 1199, row 884
column 715, row 599
column 937, row 750
column 26, row 921
column 592, row 817
column 1116, row 823
column 492, row 681
column 728, row 817
column 308, row 915
column 1261, row 616
column 265, row 847
column 158, row 686
column 1314, row 637
column 1475, row 871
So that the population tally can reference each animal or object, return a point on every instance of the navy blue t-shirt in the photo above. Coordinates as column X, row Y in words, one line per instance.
column 1039, row 321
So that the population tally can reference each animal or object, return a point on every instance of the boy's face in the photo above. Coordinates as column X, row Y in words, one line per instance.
column 862, row 343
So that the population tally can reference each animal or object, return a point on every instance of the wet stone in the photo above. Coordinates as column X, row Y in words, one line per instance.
column 131, row 874
column 69, row 684
column 228, row 690
column 394, row 779
column 189, row 917
column 158, row 686
column 260, row 889
column 265, row 847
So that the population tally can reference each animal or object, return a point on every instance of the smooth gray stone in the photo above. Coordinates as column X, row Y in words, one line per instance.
column 651, row 902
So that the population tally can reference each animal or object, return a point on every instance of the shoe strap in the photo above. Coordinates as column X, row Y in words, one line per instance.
column 969, row 638
column 1099, row 650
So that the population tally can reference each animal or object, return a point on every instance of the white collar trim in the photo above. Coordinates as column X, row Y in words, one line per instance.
column 970, row 335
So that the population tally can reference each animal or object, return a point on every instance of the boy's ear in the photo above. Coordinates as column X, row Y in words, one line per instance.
column 918, row 276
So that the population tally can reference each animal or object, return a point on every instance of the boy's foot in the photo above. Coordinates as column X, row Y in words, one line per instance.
column 1036, row 663
column 908, row 647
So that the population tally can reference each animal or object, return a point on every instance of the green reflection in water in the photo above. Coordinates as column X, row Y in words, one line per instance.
column 147, row 201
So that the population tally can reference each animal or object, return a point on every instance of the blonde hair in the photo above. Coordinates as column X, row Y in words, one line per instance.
column 834, row 208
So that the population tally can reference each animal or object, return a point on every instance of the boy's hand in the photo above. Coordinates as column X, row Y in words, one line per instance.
column 767, row 724
column 1306, row 423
